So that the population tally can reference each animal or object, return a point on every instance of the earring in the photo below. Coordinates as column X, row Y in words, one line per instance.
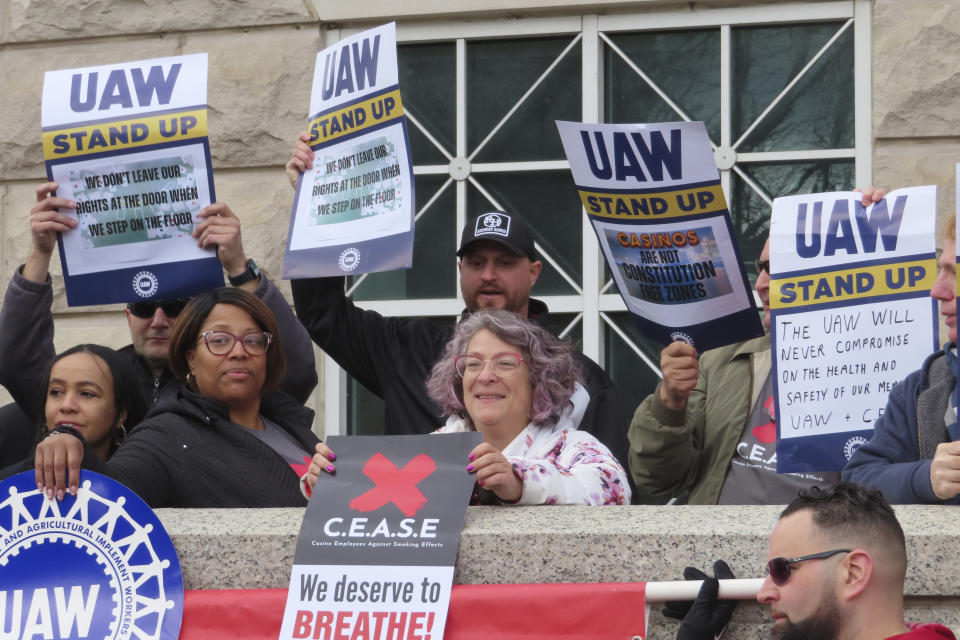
column 120, row 434
column 191, row 381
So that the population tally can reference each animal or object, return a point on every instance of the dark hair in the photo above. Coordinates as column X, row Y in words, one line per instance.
column 186, row 332
column 852, row 515
column 127, row 393
column 553, row 370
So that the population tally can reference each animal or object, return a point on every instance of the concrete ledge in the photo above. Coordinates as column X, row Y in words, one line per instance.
column 247, row 548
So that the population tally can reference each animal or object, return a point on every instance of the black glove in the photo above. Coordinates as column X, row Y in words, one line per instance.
column 678, row 609
column 708, row 617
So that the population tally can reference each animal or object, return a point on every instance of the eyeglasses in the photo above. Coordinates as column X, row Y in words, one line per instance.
column 762, row 265
column 779, row 568
column 220, row 343
column 171, row 308
column 503, row 364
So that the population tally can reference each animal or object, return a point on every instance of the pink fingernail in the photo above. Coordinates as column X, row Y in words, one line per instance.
column 469, row 467
column 480, row 482
column 330, row 468
column 332, row 456
column 49, row 494
column 40, row 487
column 59, row 495
column 471, row 457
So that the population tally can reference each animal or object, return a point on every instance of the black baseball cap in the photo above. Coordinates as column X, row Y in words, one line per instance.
column 509, row 230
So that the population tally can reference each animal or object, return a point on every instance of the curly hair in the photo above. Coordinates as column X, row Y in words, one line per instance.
column 553, row 370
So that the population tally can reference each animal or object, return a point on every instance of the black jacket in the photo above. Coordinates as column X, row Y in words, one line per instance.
column 187, row 453
column 392, row 357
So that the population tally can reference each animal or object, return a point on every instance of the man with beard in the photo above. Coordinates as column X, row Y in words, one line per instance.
column 836, row 568
column 837, row 562
column 393, row 356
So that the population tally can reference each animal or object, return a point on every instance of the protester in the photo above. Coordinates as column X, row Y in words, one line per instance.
column 913, row 455
column 93, row 389
column 519, row 386
column 392, row 356
column 836, row 569
column 707, row 435
column 26, row 322
column 227, row 438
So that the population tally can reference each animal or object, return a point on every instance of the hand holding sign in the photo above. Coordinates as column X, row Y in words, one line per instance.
column 681, row 370
column 220, row 227
column 301, row 159
column 46, row 222
column 322, row 462
column 494, row 472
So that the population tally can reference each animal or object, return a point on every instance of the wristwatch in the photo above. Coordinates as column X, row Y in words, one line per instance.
column 251, row 273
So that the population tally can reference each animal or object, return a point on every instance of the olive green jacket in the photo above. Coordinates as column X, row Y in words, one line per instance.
column 675, row 453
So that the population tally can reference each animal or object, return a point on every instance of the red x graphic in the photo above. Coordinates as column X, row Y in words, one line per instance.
column 398, row 486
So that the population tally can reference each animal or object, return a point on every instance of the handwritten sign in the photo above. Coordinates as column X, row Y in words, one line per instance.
column 851, row 316
column 652, row 192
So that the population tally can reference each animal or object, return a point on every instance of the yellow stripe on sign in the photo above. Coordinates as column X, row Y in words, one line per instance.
column 124, row 134
column 850, row 284
column 356, row 117
column 667, row 204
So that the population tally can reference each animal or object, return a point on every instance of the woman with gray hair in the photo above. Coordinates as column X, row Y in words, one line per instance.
column 520, row 387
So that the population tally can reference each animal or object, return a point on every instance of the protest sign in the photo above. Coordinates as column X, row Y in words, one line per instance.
column 353, row 212
column 851, row 316
column 652, row 192
column 128, row 142
column 378, row 544
column 98, row 565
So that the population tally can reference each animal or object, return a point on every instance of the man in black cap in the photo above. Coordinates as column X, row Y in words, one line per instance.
column 392, row 357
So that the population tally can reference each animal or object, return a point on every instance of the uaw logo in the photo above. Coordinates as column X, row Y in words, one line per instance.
column 145, row 284
column 495, row 223
column 349, row 259
column 392, row 485
column 680, row 336
column 98, row 566
column 852, row 445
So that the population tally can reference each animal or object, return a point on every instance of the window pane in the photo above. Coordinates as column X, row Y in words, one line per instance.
column 817, row 113
column 635, row 380
column 548, row 202
column 434, row 252
column 428, row 86
column 492, row 91
column 751, row 215
column 530, row 133
column 684, row 64
column 365, row 411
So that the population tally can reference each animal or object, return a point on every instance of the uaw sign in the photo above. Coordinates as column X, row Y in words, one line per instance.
column 97, row 566
column 379, row 540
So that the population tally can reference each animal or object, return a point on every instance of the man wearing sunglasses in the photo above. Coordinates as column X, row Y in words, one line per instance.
column 913, row 455
column 26, row 321
column 393, row 356
column 707, row 434
column 835, row 571
column 837, row 562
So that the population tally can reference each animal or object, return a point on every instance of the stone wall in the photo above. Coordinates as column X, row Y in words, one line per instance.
column 250, row 548
column 261, row 62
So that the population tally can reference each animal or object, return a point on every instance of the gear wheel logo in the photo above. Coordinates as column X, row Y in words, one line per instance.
column 852, row 445
column 96, row 566
column 145, row 284
column 349, row 259
column 680, row 336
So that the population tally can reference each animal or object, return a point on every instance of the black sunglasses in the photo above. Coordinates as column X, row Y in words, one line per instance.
column 762, row 265
column 779, row 568
column 171, row 308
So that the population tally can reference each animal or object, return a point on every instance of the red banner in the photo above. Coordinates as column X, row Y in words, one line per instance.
column 608, row 611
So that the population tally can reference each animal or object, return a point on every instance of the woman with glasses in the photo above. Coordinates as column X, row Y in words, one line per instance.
column 520, row 387
column 228, row 438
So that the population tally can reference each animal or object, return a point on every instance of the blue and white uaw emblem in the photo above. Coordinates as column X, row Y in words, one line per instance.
column 98, row 566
